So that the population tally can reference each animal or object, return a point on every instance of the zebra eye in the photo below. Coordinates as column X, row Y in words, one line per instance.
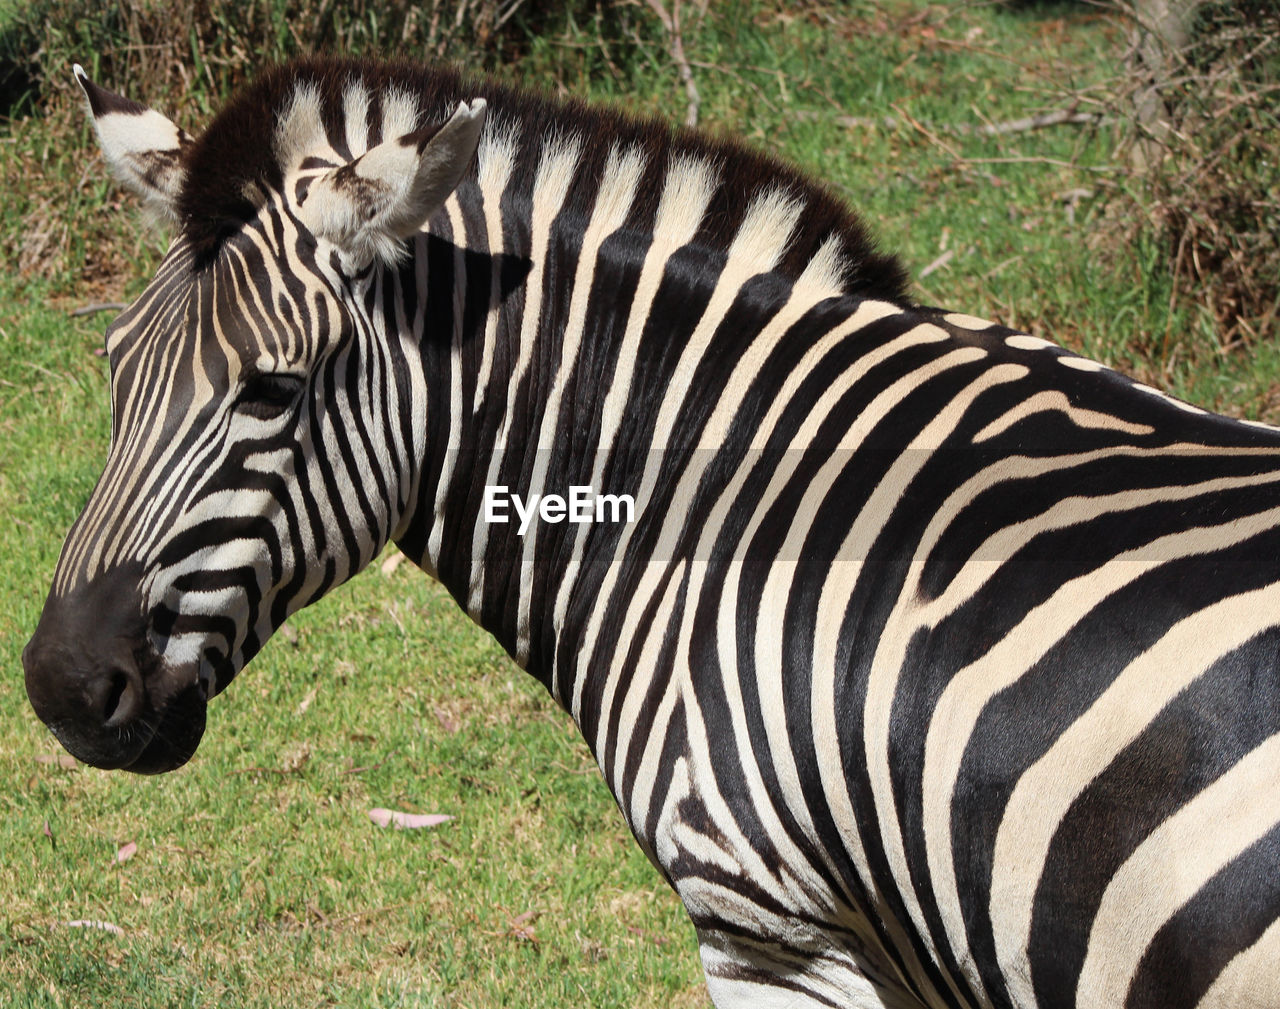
column 268, row 396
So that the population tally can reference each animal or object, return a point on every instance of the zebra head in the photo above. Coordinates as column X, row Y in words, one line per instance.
column 266, row 423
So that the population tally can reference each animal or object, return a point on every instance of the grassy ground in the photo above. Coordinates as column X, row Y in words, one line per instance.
column 257, row 878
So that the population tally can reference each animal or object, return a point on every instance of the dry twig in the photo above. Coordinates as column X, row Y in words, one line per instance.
column 1060, row 117
column 671, row 22
column 938, row 263
column 98, row 306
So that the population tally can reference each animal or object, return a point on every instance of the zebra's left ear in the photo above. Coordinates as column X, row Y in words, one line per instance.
column 144, row 149
column 369, row 206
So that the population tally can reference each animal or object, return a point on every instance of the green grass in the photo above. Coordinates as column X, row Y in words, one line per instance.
column 258, row 878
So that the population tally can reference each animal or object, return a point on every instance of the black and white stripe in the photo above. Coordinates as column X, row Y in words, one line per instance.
column 938, row 667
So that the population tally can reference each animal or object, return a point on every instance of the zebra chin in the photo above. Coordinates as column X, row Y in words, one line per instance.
column 95, row 681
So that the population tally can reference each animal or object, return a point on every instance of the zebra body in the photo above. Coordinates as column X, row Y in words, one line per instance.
column 937, row 666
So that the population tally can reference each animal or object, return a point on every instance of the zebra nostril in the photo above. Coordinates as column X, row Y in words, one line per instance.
column 119, row 702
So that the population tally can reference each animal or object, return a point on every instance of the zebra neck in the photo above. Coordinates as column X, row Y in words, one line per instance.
column 511, row 393
column 593, row 335
column 631, row 397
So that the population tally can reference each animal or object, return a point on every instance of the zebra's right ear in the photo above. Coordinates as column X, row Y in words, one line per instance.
column 369, row 206
column 144, row 149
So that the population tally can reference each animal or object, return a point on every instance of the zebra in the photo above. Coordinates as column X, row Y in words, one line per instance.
column 936, row 665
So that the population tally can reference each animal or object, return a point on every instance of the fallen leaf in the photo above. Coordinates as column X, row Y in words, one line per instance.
column 306, row 700
column 295, row 759
column 106, row 926
column 126, row 852
column 391, row 563
column 521, row 926
column 406, row 821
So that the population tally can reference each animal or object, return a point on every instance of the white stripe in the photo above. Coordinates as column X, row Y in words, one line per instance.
column 967, row 321
column 450, row 457
column 355, row 117
column 1056, row 400
column 495, row 161
column 399, row 114
column 300, row 130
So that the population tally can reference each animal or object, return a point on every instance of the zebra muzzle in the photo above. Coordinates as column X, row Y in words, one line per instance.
column 94, row 680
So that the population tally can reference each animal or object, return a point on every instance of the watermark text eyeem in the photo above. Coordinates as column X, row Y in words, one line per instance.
column 582, row 506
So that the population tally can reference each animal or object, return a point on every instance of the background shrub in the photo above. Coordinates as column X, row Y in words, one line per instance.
column 1205, row 188
column 185, row 57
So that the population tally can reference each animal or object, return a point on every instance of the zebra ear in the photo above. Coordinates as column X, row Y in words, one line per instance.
column 369, row 206
column 144, row 149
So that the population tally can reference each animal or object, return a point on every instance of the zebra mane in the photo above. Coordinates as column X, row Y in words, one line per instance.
column 300, row 109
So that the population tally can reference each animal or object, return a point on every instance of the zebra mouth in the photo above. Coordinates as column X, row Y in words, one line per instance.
column 155, row 741
column 177, row 733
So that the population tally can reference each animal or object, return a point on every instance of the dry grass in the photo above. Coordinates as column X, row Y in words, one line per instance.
column 1210, row 199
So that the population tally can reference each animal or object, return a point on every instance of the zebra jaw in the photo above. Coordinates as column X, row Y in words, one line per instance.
column 369, row 206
